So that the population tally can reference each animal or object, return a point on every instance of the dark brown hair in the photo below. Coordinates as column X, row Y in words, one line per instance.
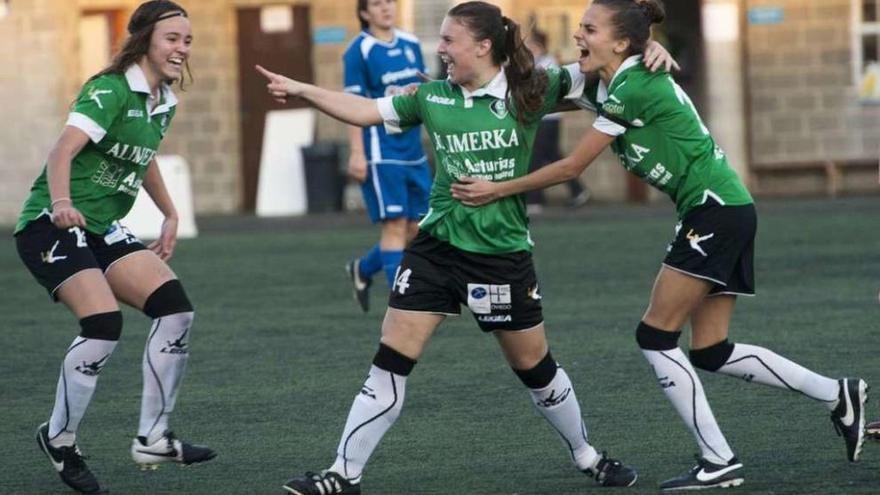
column 140, row 30
column 361, row 7
column 526, row 84
column 632, row 20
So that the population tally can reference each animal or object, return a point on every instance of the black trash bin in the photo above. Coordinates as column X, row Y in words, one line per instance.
column 324, row 181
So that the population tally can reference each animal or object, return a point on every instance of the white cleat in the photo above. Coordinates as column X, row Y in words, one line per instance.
column 167, row 449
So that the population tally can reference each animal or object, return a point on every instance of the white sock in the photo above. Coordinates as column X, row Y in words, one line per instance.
column 83, row 362
column 374, row 410
column 683, row 388
column 757, row 364
column 559, row 406
column 165, row 356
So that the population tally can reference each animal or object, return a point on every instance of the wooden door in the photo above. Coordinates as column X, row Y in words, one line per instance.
column 279, row 49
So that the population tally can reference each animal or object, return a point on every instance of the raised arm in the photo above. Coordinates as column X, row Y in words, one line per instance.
column 475, row 192
column 351, row 109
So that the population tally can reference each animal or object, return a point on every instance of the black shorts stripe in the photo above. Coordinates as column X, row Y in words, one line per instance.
column 501, row 290
column 54, row 255
column 717, row 243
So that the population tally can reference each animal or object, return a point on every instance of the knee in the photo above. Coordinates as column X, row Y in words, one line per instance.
column 712, row 358
column 102, row 326
column 655, row 339
column 540, row 375
column 393, row 361
column 168, row 299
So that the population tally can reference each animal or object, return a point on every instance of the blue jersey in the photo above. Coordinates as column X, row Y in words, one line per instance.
column 374, row 69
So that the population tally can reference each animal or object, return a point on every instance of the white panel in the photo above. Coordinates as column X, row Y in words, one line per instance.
column 276, row 19
column 145, row 219
column 281, row 189
column 720, row 22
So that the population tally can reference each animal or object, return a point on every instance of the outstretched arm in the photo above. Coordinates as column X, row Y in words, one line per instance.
column 475, row 192
column 349, row 108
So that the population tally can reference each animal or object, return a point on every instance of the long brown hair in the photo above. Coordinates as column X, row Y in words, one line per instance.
column 632, row 20
column 526, row 84
column 140, row 29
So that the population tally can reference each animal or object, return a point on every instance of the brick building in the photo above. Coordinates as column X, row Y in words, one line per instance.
column 781, row 83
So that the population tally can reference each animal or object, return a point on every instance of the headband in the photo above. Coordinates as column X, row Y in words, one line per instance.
column 162, row 17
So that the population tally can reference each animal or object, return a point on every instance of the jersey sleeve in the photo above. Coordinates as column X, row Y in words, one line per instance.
column 577, row 82
column 624, row 109
column 96, row 107
column 355, row 71
column 401, row 112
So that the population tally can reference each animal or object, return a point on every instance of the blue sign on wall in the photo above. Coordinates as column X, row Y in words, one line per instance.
column 766, row 15
column 329, row 34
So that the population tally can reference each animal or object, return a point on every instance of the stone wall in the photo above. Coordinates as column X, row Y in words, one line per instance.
column 38, row 81
column 804, row 104
column 801, row 98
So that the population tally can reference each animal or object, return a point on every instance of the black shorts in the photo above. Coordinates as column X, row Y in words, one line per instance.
column 501, row 290
column 717, row 243
column 54, row 255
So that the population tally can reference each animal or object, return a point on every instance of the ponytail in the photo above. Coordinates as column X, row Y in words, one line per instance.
column 526, row 83
column 632, row 20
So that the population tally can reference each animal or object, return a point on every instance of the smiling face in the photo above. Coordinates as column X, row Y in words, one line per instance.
column 169, row 48
column 465, row 58
column 597, row 39
column 380, row 14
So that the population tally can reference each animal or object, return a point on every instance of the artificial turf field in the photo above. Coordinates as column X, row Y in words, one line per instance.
column 279, row 350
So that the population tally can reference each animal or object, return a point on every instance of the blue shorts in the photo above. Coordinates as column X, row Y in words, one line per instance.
column 396, row 191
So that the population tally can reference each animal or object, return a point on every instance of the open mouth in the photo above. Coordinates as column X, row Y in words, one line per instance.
column 585, row 53
column 176, row 62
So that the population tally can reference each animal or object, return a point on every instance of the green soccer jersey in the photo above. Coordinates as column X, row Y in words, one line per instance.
column 125, row 126
column 474, row 134
column 660, row 137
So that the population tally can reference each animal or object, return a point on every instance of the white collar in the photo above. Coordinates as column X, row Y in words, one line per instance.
column 602, row 93
column 629, row 62
column 496, row 88
column 394, row 37
column 137, row 81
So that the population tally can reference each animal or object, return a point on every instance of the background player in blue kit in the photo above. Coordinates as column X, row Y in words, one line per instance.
column 393, row 169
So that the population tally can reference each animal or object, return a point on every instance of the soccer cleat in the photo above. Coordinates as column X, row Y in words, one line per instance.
column 580, row 200
column 872, row 430
column 361, row 285
column 69, row 463
column 707, row 475
column 611, row 472
column 324, row 483
column 849, row 415
column 168, row 449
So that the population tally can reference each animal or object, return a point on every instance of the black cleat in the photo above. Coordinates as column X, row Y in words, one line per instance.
column 167, row 449
column 707, row 475
column 580, row 199
column 611, row 472
column 360, row 285
column 69, row 463
column 849, row 415
column 325, row 483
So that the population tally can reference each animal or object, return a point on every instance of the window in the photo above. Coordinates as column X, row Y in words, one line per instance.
column 866, row 48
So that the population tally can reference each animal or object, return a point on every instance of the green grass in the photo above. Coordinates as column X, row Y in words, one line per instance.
column 280, row 349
